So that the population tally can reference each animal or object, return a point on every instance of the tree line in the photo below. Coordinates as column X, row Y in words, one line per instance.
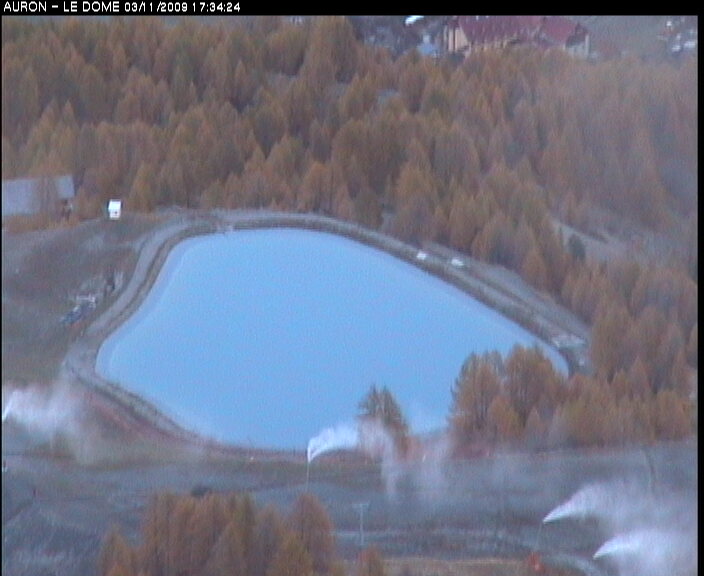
column 480, row 155
column 213, row 534
column 522, row 400
column 191, row 106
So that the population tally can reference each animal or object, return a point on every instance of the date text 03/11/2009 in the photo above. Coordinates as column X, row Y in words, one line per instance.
column 170, row 8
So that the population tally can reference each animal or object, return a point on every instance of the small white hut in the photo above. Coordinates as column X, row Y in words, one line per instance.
column 114, row 209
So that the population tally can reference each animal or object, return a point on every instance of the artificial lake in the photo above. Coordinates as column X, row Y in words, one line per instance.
column 264, row 337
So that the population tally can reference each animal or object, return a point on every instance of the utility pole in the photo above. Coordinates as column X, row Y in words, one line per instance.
column 361, row 507
column 653, row 484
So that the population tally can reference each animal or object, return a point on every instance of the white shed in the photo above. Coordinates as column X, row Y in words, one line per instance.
column 114, row 209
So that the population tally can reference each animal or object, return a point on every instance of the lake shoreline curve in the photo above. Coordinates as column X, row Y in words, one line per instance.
column 522, row 306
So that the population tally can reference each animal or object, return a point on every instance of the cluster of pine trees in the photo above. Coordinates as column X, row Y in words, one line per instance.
column 216, row 534
column 480, row 155
column 523, row 400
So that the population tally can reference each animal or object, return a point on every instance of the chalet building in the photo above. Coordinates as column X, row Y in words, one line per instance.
column 52, row 196
column 468, row 34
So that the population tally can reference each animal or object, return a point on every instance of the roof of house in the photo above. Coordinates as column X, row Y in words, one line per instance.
column 547, row 30
column 21, row 196
column 560, row 30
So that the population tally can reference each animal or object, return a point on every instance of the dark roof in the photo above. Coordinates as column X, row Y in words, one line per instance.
column 21, row 196
column 561, row 30
column 547, row 30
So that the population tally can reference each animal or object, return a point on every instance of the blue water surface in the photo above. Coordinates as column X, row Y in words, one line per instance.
column 264, row 337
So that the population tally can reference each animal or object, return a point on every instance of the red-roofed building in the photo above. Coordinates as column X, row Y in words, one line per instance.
column 468, row 34
column 567, row 34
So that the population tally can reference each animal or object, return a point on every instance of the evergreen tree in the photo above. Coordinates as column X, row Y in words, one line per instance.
column 380, row 405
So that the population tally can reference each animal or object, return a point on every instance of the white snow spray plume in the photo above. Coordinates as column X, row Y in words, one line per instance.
column 631, row 543
column 341, row 437
column 650, row 552
column 601, row 500
column 42, row 411
column 368, row 436
column 424, row 470
column 8, row 407
column 429, row 476
column 52, row 415
column 376, row 442
column 630, row 510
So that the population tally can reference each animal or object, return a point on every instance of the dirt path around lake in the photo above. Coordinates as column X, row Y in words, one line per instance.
column 531, row 310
